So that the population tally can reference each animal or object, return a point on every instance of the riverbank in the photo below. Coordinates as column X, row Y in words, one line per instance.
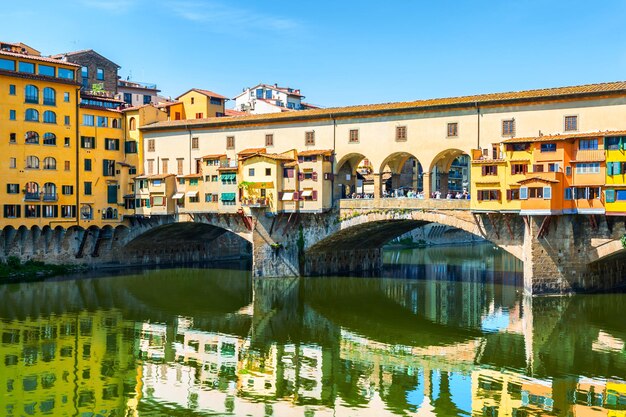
column 13, row 270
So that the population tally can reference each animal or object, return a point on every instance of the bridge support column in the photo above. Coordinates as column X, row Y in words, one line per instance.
column 443, row 184
column 377, row 186
column 427, row 184
column 270, row 257
column 553, row 263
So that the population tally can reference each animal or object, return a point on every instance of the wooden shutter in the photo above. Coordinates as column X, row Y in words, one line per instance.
column 280, row 196
column 314, row 176
column 295, row 196
column 484, row 170
column 300, row 159
column 314, row 195
column 509, row 194
column 300, row 176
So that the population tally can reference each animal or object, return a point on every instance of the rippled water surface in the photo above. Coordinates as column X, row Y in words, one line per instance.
column 443, row 332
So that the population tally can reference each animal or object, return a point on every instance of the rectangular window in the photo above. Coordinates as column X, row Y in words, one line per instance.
column 588, row 144
column 99, row 74
column 130, row 146
column 490, row 170
column 87, row 165
column 66, row 142
column 150, row 166
column 547, row 193
column 251, row 172
column 609, row 196
column 523, row 193
column 26, row 67
column 614, row 144
column 508, row 127
column 568, row 193
column 88, row 120
column 538, row 168
column 269, row 140
column 12, row 115
column 67, row 120
column 354, row 136
column 150, row 145
column 548, row 147
column 400, row 133
column 67, row 189
column 488, row 195
column 268, row 172
column 199, row 115
column 179, row 166
column 12, row 89
column 88, row 142
column 512, row 194
column 147, row 99
column 108, row 167
column 87, row 187
column 13, row 188
column 518, row 169
column 194, row 143
column 128, row 98
column 553, row 167
column 111, row 144
column 50, row 211
column 66, row 97
column 164, row 166
column 588, row 168
column 66, row 165
column 453, row 130
column 230, row 142
column 7, row 64
column 12, row 163
column 309, row 138
column 535, row 192
column 215, row 101
column 12, row 211
column 46, row 70
column 103, row 121
column 12, row 138
column 571, row 123
column 65, row 73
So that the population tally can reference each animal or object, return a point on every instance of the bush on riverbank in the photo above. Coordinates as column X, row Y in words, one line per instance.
column 13, row 270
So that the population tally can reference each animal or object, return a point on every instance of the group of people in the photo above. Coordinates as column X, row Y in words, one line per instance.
column 409, row 193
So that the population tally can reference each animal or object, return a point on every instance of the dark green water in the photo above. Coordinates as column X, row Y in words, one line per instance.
column 444, row 331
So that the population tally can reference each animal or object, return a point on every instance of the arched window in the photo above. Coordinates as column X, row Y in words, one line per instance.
column 49, row 192
column 49, row 117
column 49, row 163
column 31, row 191
column 32, row 115
column 49, row 139
column 32, row 162
column 86, row 212
column 31, row 138
column 132, row 124
column 49, row 96
column 31, row 94
column 115, row 124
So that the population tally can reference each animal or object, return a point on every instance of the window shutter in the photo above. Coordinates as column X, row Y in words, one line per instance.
column 479, row 195
column 509, row 194
column 498, row 195
column 295, row 196
column 484, row 170
column 291, row 172
column 547, row 193
column 587, row 193
column 300, row 176
column 314, row 195
column 610, row 196
column 300, row 159
column 314, row 176
column 280, row 196
column 609, row 168
column 617, row 168
column 523, row 193
column 18, row 211
column 150, row 202
column 495, row 170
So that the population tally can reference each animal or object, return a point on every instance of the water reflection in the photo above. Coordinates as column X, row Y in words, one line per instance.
column 215, row 342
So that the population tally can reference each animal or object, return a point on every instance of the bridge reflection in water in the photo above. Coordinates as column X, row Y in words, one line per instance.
column 460, row 341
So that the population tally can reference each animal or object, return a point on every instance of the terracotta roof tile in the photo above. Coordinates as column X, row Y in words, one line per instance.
column 207, row 93
column 37, row 58
column 214, row 156
column 326, row 152
column 418, row 105
column 531, row 179
column 250, row 151
column 554, row 138
column 234, row 113
column 154, row 177
column 190, row 176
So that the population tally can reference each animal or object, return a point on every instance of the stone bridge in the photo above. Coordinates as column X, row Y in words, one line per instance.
column 561, row 254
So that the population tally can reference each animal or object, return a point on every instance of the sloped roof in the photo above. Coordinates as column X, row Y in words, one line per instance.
column 207, row 93
column 37, row 58
column 81, row 52
column 554, row 138
column 588, row 90
column 326, row 152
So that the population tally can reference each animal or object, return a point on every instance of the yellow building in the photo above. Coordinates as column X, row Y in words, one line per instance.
column 39, row 127
column 615, row 194
column 198, row 104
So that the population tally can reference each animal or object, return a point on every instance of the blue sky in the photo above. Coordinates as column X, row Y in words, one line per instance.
column 337, row 52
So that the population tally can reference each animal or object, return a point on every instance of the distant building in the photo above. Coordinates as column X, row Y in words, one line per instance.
column 264, row 98
column 136, row 93
column 97, row 74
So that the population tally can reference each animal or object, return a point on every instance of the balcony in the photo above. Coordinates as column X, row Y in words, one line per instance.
column 51, row 197
column 255, row 202
column 32, row 196
column 229, row 164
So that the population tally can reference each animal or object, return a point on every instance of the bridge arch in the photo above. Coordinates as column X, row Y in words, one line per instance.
column 348, row 171
column 449, row 171
column 405, row 169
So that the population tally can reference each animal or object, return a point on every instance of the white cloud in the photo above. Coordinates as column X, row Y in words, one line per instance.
column 223, row 18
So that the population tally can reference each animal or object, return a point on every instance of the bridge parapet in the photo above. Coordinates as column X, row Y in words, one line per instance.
column 404, row 203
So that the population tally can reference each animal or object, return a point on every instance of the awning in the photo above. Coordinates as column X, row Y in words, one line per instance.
column 307, row 193
column 228, row 196
column 178, row 195
column 228, row 177
column 192, row 193
column 287, row 197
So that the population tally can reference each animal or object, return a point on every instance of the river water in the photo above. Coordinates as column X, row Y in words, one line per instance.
column 444, row 331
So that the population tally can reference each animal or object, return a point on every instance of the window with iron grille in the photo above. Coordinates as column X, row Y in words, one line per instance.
column 400, row 133
column 571, row 123
column 230, row 142
column 150, row 145
column 194, row 143
column 309, row 138
column 453, row 130
column 354, row 136
column 508, row 127
column 269, row 140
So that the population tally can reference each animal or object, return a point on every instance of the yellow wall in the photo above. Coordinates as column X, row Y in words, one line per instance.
column 201, row 104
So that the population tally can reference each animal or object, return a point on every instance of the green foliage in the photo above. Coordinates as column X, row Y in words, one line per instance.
column 623, row 240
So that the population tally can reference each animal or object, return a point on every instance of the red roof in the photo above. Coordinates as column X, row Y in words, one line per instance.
column 207, row 93
column 37, row 58
column 234, row 113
